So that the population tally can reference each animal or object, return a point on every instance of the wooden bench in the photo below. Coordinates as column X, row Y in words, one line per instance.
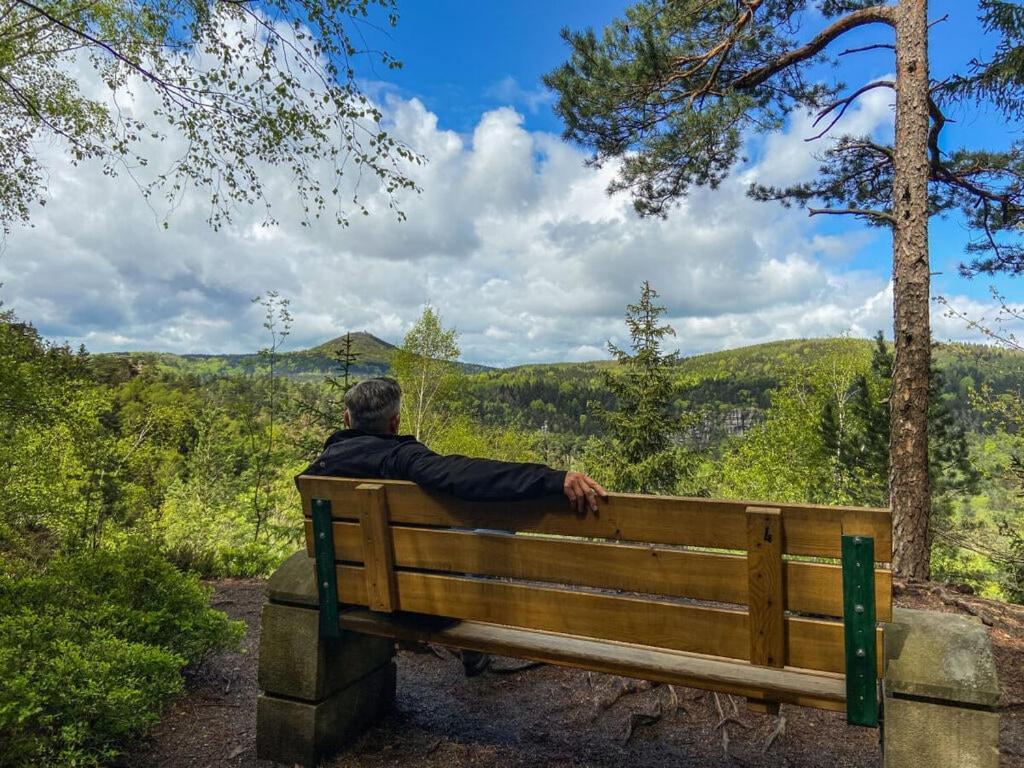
column 772, row 602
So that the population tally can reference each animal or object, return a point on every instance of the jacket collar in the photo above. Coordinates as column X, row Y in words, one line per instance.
column 348, row 434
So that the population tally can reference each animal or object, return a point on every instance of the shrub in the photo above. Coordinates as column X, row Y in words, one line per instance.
column 92, row 648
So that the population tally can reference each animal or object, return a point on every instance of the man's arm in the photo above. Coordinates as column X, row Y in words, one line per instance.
column 489, row 480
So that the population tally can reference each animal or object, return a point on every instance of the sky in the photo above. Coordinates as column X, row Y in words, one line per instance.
column 512, row 238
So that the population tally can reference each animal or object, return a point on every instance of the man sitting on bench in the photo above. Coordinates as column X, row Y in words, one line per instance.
column 370, row 447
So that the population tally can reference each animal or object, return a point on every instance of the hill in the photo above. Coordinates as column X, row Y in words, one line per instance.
column 313, row 364
column 370, row 349
column 732, row 388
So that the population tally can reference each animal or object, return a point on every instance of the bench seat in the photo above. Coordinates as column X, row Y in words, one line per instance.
column 794, row 686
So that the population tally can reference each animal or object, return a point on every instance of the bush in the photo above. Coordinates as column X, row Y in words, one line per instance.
column 92, row 648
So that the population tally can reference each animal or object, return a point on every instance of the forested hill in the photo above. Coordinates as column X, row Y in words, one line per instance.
column 730, row 389
column 372, row 358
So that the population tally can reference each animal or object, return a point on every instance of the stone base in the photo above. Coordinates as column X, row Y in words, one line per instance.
column 941, row 692
column 318, row 693
column 290, row 732
column 918, row 733
column 297, row 663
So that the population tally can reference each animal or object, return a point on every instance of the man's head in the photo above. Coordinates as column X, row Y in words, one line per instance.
column 372, row 406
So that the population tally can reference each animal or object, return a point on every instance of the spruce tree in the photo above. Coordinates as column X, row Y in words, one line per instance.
column 863, row 451
column 641, row 426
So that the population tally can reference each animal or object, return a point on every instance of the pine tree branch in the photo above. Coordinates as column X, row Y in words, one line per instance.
column 843, row 104
column 864, row 212
column 876, row 46
column 938, row 122
column 876, row 15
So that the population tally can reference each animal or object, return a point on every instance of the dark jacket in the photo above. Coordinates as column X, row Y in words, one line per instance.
column 351, row 453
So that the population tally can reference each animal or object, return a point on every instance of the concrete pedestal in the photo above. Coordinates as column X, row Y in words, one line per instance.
column 318, row 693
column 941, row 692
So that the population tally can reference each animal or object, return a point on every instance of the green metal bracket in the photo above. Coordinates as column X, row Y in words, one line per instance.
column 326, row 575
column 859, row 627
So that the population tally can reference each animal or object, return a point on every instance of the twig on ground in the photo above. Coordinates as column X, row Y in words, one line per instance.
column 637, row 719
column 673, row 700
column 777, row 731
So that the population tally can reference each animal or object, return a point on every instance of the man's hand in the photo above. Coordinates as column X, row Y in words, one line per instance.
column 582, row 492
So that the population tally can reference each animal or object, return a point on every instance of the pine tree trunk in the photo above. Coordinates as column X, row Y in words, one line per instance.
column 908, row 448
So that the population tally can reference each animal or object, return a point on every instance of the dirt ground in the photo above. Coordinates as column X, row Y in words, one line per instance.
column 550, row 716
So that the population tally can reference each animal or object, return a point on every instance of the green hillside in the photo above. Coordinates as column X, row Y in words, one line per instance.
column 731, row 388
column 370, row 349
column 313, row 364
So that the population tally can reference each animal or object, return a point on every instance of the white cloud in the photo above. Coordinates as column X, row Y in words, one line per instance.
column 512, row 238
column 509, row 90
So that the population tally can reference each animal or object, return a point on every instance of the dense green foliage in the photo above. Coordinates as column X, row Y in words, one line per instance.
column 91, row 647
column 638, row 452
column 118, row 472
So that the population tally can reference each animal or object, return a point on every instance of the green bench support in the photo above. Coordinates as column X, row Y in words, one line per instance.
column 859, row 630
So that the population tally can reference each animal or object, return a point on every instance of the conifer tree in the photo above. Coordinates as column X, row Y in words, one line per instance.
column 641, row 426
column 670, row 91
column 863, row 450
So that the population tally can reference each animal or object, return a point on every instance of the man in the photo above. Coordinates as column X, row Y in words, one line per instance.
column 370, row 447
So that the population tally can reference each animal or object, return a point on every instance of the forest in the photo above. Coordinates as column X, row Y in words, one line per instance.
column 124, row 477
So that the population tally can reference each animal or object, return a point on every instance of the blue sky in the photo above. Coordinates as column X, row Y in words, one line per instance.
column 512, row 239
column 499, row 49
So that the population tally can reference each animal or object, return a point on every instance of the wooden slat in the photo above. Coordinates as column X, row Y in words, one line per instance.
column 815, row 588
column 809, row 530
column 818, row 588
column 812, row 643
column 378, row 552
column 813, row 689
column 765, row 588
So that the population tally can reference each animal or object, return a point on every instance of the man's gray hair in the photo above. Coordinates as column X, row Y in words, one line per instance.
column 372, row 403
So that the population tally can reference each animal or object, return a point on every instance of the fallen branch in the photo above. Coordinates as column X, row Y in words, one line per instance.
column 637, row 719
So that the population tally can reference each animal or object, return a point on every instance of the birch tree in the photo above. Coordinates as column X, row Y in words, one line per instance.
column 427, row 370
column 244, row 86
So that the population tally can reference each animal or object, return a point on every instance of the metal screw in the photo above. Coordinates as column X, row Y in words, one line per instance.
column 857, row 540
column 327, row 585
column 859, row 608
column 860, row 653
column 323, row 535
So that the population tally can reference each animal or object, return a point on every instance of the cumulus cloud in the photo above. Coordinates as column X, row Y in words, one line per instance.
column 513, row 239
column 509, row 90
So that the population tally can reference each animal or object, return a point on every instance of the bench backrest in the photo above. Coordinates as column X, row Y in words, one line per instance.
column 742, row 580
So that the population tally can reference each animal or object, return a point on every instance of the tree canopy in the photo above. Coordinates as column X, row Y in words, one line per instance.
column 671, row 89
column 245, row 87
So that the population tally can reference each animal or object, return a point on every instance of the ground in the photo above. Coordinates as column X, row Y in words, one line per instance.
column 551, row 716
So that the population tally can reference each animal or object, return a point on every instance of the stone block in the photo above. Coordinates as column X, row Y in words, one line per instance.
column 296, row 662
column 919, row 733
column 290, row 732
column 941, row 692
column 294, row 581
column 940, row 656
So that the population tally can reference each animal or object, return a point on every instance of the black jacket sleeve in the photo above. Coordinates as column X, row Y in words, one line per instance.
column 472, row 479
